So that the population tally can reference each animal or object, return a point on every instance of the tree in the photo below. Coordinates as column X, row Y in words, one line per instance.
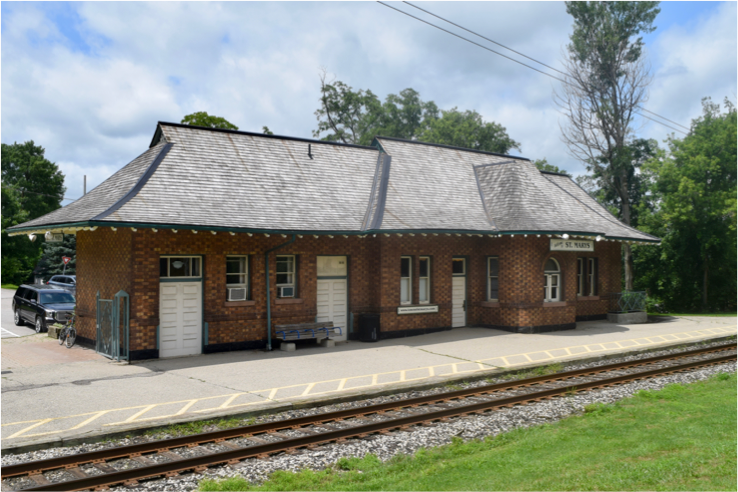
column 467, row 129
column 201, row 118
column 266, row 131
column 606, row 84
column 695, row 185
column 32, row 186
column 51, row 261
column 543, row 165
column 356, row 117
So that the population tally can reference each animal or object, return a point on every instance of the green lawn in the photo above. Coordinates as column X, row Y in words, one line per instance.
column 680, row 438
column 9, row 286
column 726, row 315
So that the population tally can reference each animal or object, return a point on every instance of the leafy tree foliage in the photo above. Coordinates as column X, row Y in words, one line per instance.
column 32, row 186
column 606, row 84
column 356, row 117
column 694, row 186
column 51, row 262
column 543, row 165
column 202, row 118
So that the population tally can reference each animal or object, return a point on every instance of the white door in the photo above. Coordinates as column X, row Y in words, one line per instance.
column 180, row 318
column 332, row 304
column 458, row 296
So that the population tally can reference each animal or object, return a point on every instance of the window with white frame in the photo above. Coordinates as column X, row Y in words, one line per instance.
column 179, row 267
column 406, row 269
column 424, row 280
column 592, row 276
column 237, row 278
column 493, row 274
column 552, row 281
column 580, row 276
column 286, row 276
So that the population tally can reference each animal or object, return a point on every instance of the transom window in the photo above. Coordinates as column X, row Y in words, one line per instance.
column 286, row 276
column 552, row 281
column 458, row 266
column 493, row 278
column 179, row 267
column 406, row 269
column 424, row 280
column 237, row 278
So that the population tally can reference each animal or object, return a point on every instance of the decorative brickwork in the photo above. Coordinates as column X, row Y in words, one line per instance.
column 109, row 261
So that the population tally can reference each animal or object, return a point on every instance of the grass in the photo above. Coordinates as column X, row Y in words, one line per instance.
column 713, row 315
column 190, row 428
column 680, row 438
column 9, row 286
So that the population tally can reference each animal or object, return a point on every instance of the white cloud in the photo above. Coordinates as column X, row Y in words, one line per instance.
column 94, row 107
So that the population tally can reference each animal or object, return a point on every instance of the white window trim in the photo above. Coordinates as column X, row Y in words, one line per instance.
column 293, row 273
column 549, row 275
column 490, row 277
column 591, row 275
column 580, row 276
column 199, row 260
column 409, row 280
column 427, row 281
column 245, row 273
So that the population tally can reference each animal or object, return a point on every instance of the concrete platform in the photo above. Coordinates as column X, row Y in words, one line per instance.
column 47, row 400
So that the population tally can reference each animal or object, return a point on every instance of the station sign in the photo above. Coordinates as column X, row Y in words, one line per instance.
column 417, row 309
column 56, row 237
column 572, row 245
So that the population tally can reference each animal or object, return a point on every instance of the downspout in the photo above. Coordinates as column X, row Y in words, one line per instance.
column 269, row 303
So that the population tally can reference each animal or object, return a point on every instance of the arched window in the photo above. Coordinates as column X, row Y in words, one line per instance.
column 552, row 281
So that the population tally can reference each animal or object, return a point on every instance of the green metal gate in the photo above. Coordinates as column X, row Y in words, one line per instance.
column 112, row 326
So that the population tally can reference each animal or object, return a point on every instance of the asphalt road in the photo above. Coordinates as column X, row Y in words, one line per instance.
column 8, row 328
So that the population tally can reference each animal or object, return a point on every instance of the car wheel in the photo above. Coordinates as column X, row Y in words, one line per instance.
column 17, row 318
column 40, row 325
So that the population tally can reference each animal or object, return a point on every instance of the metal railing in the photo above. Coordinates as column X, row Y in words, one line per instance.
column 627, row 302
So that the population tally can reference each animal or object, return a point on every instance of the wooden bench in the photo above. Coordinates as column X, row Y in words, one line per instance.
column 320, row 332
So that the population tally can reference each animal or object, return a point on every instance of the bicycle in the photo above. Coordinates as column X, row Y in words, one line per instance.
column 68, row 334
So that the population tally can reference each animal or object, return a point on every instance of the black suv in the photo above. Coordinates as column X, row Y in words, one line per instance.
column 41, row 305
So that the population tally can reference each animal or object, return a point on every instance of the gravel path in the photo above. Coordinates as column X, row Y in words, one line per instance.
column 388, row 445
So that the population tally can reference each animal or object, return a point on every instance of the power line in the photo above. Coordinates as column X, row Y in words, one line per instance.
column 42, row 194
column 514, row 60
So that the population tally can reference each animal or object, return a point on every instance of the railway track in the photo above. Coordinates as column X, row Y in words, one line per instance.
column 156, row 459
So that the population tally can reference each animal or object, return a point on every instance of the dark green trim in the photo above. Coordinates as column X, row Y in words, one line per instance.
column 334, row 277
column 186, row 228
column 177, row 280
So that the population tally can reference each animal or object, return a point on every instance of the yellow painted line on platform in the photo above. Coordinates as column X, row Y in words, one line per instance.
column 399, row 376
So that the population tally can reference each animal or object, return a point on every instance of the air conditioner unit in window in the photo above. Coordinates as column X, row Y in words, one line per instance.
column 286, row 291
column 236, row 294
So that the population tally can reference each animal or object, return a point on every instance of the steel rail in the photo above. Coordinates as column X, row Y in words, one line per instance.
column 201, row 463
column 35, row 467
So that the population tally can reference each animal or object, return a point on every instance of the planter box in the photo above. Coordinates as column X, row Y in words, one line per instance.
column 628, row 318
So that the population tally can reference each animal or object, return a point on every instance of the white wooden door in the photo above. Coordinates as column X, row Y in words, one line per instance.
column 458, row 296
column 332, row 304
column 180, row 318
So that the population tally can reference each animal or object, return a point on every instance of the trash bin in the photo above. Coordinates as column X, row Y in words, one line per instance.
column 368, row 327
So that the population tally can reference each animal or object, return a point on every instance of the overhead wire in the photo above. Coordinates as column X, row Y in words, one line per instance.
column 517, row 61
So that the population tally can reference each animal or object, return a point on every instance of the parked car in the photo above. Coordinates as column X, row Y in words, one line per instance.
column 64, row 282
column 41, row 306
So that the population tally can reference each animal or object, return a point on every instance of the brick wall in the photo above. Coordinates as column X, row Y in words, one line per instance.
column 110, row 261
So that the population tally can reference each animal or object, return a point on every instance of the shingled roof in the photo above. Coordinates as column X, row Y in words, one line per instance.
column 203, row 178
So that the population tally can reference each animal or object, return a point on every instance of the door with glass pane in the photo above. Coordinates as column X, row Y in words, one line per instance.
column 458, row 293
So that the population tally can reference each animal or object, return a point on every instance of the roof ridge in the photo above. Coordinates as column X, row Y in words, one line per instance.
column 264, row 135
column 452, row 147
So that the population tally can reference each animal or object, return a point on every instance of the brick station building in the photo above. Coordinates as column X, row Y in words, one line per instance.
column 429, row 237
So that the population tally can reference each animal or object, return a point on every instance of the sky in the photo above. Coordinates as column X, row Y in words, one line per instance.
column 88, row 81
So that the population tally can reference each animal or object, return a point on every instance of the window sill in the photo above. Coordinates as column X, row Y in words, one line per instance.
column 490, row 304
column 588, row 298
column 554, row 304
column 239, row 303
column 289, row 300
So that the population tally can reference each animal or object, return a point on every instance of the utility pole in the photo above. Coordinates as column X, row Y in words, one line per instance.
column 84, row 186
